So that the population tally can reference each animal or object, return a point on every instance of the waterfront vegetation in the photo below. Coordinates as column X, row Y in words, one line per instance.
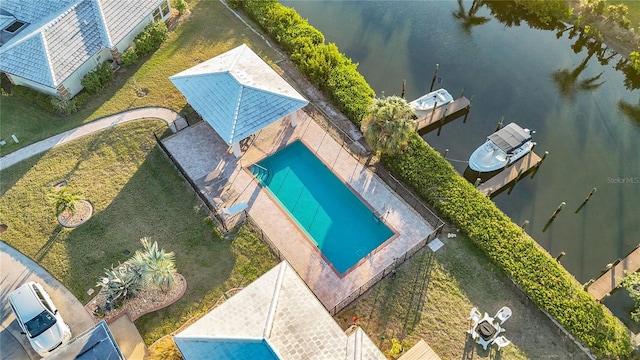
column 129, row 182
column 544, row 281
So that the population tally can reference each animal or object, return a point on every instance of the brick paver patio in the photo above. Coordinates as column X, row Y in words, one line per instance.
column 225, row 181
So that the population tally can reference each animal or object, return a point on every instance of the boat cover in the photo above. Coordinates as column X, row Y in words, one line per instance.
column 510, row 137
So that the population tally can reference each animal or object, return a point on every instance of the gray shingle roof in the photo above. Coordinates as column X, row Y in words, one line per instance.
column 237, row 93
column 277, row 311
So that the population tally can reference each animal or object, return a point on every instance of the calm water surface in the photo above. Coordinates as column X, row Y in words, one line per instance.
column 510, row 71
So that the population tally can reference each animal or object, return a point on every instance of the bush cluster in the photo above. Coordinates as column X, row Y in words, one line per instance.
column 34, row 97
column 151, row 37
column 129, row 56
column 546, row 282
column 96, row 80
column 323, row 64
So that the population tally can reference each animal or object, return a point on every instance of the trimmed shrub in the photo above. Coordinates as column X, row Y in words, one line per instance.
column 96, row 80
column 35, row 97
column 181, row 6
column 322, row 63
column 151, row 37
column 129, row 56
column 635, row 60
column 64, row 106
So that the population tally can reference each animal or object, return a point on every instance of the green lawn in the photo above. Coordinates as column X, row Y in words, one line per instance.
column 431, row 296
column 136, row 192
column 209, row 31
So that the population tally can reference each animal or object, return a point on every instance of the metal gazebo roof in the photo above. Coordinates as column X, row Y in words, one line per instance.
column 237, row 93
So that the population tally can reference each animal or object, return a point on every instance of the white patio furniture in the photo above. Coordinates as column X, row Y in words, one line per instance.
column 485, row 331
column 503, row 314
column 501, row 341
column 475, row 315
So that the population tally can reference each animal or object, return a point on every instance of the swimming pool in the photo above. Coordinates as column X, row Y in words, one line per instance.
column 332, row 216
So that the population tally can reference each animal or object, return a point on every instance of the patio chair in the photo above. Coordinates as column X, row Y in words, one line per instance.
column 475, row 315
column 501, row 341
column 503, row 314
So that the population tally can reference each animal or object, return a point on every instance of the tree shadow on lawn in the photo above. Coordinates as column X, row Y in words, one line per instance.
column 155, row 203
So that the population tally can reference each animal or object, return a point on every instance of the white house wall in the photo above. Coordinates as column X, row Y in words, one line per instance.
column 128, row 40
column 33, row 85
column 73, row 82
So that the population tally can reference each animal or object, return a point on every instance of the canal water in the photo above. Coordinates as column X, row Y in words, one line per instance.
column 557, row 83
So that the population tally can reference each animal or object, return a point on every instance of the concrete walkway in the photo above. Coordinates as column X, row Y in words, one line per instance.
column 172, row 118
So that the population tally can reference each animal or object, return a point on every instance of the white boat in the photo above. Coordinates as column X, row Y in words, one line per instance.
column 428, row 101
column 501, row 149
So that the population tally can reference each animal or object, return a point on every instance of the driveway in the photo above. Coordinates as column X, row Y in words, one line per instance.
column 15, row 270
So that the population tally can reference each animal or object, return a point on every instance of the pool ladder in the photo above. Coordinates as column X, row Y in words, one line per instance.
column 260, row 172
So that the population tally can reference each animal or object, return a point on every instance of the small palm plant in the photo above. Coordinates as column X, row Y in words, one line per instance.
column 64, row 200
column 122, row 282
column 157, row 266
column 388, row 124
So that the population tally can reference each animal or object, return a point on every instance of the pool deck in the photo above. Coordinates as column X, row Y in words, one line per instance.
column 225, row 181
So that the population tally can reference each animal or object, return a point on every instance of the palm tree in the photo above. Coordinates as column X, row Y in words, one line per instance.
column 158, row 266
column 64, row 200
column 388, row 124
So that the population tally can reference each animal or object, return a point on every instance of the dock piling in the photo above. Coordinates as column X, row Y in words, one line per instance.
column 464, row 121
column 500, row 123
column 553, row 217
column 435, row 75
column 477, row 182
column 562, row 253
column 586, row 200
column 446, row 151
column 524, row 224
column 404, row 85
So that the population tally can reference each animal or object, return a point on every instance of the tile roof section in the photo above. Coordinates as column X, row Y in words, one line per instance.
column 281, row 308
column 6, row 20
column 237, row 93
column 122, row 16
column 72, row 39
column 95, row 343
column 63, row 34
column 36, row 11
column 28, row 59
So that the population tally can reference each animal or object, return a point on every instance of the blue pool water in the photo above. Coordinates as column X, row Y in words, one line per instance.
column 333, row 217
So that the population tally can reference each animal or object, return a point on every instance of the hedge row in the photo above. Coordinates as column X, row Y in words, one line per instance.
column 547, row 283
column 324, row 65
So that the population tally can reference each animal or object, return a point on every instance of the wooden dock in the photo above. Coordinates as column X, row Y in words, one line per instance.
column 611, row 278
column 439, row 116
column 509, row 174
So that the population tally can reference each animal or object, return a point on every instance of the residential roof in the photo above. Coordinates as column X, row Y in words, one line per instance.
column 95, row 343
column 274, row 317
column 60, row 36
column 510, row 137
column 237, row 93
